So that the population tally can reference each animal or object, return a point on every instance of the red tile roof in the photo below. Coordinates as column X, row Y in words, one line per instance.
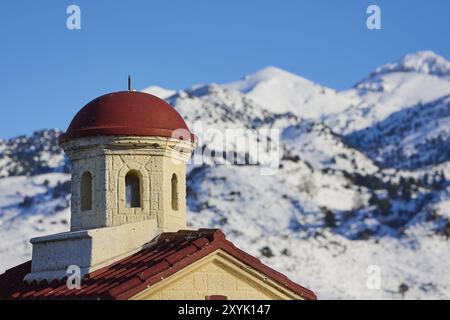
column 159, row 259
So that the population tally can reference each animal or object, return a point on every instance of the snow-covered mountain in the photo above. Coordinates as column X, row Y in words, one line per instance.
column 418, row 78
column 280, row 91
column 361, row 180
column 425, row 62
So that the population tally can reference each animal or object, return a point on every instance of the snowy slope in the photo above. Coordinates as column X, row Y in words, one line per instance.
column 411, row 138
column 31, row 207
column 303, row 138
column 159, row 91
column 226, row 121
column 37, row 154
column 271, row 218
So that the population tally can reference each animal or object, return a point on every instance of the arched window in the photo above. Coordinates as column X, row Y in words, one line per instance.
column 174, row 192
column 132, row 190
column 86, row 191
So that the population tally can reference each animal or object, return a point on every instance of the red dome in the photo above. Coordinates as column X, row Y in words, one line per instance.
column 128, row 113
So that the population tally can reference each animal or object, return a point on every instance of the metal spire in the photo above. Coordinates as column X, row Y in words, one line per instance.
column 129, row 83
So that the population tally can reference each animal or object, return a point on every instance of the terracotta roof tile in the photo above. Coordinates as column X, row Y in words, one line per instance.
column 159, row 259
column 200, row 243
column 157, row 268
column 180, row 254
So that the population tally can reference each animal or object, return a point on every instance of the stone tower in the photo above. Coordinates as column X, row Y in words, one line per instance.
column 128, row 162
column 128, row 152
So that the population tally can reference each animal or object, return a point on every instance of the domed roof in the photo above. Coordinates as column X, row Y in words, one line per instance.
column 127, row 113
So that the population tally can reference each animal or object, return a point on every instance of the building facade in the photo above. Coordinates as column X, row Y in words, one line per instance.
column 128, row 235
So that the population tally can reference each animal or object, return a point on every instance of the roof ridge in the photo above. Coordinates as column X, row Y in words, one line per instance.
column 270, row 272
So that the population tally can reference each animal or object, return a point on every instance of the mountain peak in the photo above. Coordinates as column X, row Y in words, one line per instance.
column 271, row 72
column 427, row 62
column 265, row 77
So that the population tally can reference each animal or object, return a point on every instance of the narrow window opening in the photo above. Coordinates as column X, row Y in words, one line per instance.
column 86, row 191
column 132, row 190
column 174, row 192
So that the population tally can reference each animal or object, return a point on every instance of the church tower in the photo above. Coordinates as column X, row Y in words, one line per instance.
column 128, row 152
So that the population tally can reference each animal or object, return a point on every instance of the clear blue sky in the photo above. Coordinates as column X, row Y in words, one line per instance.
column 48, row 72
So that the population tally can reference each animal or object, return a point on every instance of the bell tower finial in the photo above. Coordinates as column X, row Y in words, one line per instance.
column 129, row 83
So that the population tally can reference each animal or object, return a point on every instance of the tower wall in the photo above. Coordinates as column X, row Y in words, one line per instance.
column 109, row 159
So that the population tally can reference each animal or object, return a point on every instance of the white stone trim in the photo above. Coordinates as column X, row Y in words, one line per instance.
column 88, row 249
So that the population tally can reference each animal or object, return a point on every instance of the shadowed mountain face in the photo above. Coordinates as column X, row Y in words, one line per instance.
column 362, row 178
column 32, row 155
column 412, row 138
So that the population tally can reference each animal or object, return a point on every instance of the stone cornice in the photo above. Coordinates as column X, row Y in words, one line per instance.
column 180, row 150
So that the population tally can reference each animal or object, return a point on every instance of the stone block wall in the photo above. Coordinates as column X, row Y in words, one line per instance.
column 109, row 159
